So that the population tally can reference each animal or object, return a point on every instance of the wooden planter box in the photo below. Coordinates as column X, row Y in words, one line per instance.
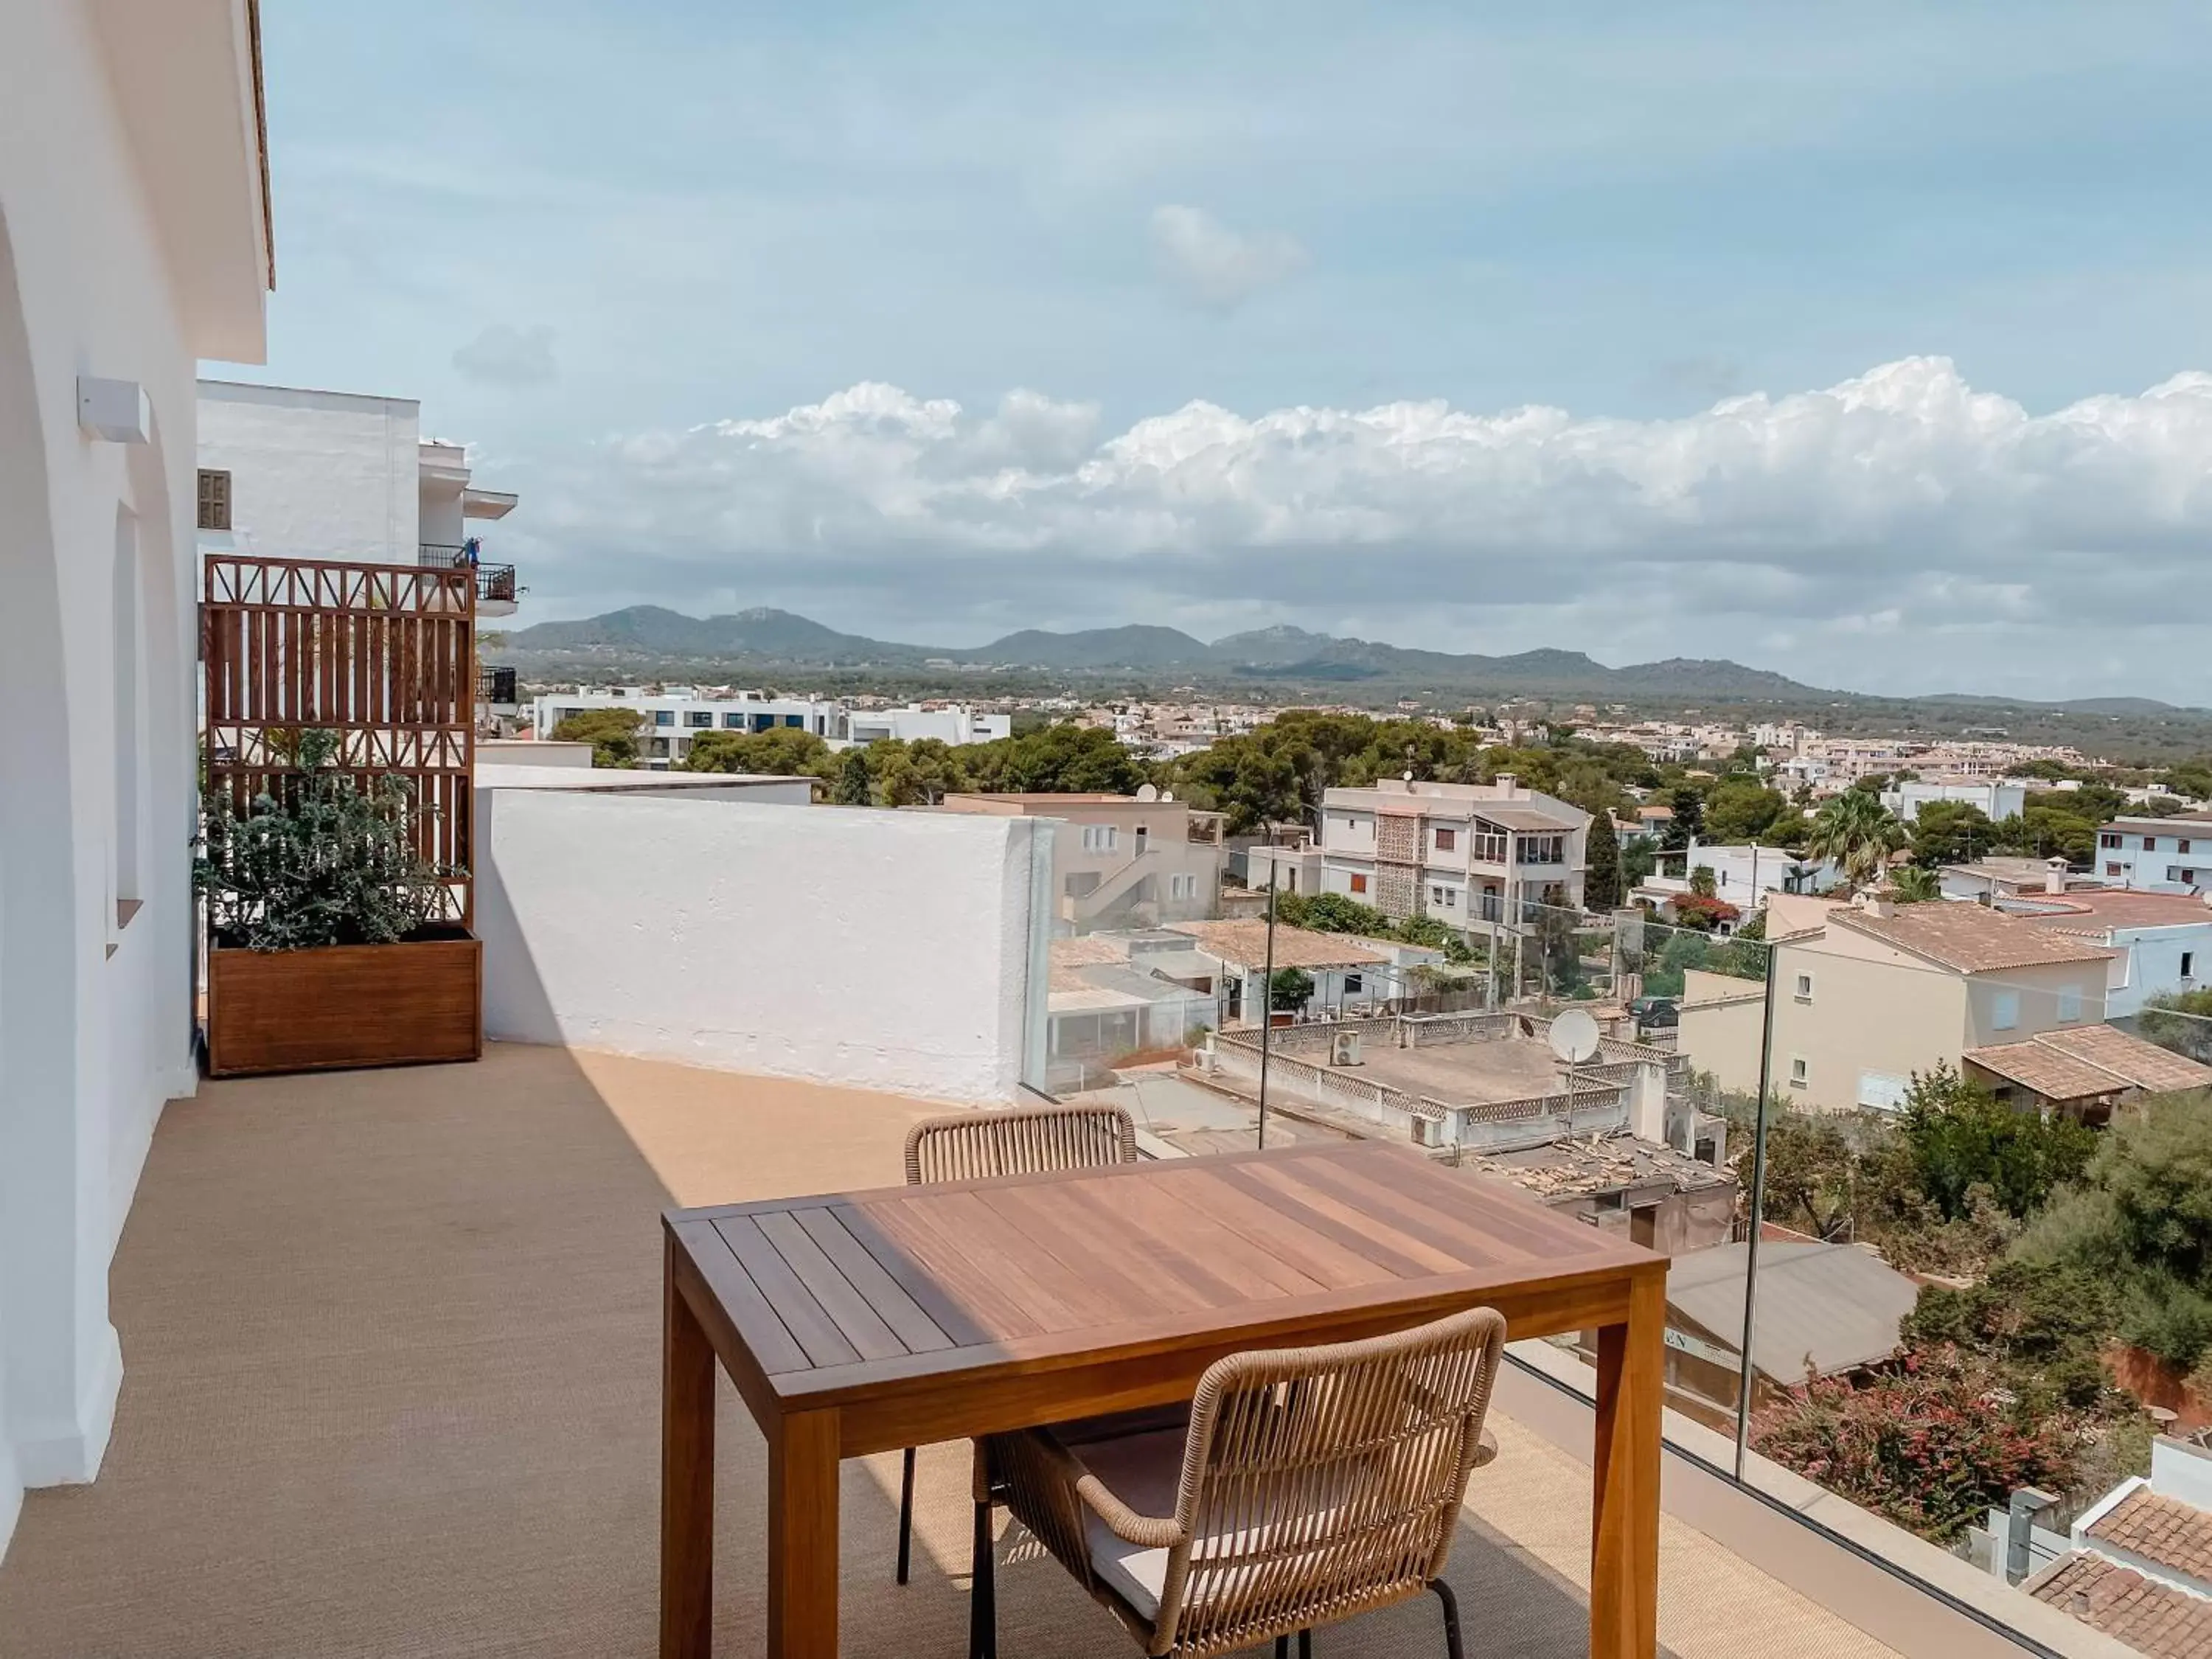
column 340, row 1006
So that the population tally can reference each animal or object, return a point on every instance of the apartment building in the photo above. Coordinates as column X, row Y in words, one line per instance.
column 1466, row 853
column 1998, row 799
column 2157, row 855
column 1870, row 994
column 948, row 723
column 676, row 714
column 295, row 473
column 2162, row 943
column 1141, row 860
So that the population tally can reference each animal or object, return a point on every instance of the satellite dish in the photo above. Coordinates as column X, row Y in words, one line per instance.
column 1145, row 791
column 1574, row 1036
column 1167, row 794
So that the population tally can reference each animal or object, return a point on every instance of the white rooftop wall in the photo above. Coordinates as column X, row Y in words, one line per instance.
column 875, row 949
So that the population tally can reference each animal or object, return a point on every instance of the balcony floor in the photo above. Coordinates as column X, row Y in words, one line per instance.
column 392, row 1389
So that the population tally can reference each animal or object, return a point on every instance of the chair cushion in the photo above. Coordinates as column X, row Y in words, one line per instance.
column 1144, row 1471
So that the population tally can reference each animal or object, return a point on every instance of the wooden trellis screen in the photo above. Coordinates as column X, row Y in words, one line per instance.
column 383, row 655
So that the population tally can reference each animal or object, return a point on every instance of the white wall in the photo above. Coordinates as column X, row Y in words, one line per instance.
column 129, row 238
column 877, row 950
column 314, row 475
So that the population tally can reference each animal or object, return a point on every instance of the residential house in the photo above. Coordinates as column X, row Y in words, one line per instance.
column 1113, row 996
column 1135, row 860
column 1998, row 799
column 1996, row 877
column 1466, row 853
column 2161, row 942
column 2158, row 855
column 1744, row 876
column 2140, row 1567
column 134, row 240
column 949, row 723
column 1873, row 993
column 1350, row 975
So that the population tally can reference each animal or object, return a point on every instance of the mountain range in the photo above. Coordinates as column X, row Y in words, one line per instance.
column 648, row 633
column 650, row 637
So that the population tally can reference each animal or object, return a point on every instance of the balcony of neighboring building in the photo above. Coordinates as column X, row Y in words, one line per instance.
column 499, row 688
column 497, row 591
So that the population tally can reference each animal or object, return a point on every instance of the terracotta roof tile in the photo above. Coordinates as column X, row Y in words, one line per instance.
column 2143, row 1064
column 2161, row 1530
column 2152, row 1618
column 1969, row 939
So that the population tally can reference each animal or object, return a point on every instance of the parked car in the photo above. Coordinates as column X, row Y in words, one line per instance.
column 1656, row 1013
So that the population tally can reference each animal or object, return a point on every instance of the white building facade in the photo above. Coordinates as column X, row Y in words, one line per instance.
column 1466, row 853
column 1744, row 876
column 293, row 473
column 134, row 240
column 2157, row 855
column 675, row 715
column 953, row 723
column 1998, row 799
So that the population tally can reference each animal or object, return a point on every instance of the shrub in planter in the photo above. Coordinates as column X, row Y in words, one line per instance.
column 328, row 950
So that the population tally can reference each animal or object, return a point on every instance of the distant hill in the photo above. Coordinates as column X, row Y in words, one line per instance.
column 647, row 638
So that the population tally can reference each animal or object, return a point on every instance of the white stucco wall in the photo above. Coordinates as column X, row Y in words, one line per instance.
column 875, row 949
column 129, row 240
column 314, row 475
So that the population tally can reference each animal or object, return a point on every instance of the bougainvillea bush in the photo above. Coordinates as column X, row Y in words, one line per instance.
column 1931, row 1446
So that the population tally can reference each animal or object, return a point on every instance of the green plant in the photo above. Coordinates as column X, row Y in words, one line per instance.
column 316, row 860
column 1289, row 990
column 1911, row 884
column 612, row 733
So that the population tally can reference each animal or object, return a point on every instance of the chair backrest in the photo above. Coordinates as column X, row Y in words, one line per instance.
column 974, row 1146
column 1319, row 1483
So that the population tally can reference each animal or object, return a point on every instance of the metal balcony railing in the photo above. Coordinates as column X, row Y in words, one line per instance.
column 496, row 686
column 495, row 582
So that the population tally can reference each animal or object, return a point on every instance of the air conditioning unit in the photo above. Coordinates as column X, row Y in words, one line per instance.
column 1428, row 1131
column 1344, row 1049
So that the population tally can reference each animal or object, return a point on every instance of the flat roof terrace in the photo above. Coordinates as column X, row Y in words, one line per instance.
column 1476, row 1072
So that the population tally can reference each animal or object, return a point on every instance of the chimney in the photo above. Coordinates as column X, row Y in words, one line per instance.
column 2054, row 875
column 1507, row 786
column 1878, row 905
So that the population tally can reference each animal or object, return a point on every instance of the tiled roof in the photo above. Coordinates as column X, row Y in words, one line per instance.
column 2161, row 1530
column 2143, row 1064
column 2151, row 1618
column 2044, row 1071
column 1243, row 943
column 2089, row 909
column 1969, row 939
column 2082, row 1060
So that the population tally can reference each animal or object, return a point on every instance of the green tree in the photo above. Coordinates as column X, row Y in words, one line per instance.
column 1688, row 822
column 612, row 733
column 1702, row 883
column 1740, row 809
column 1290, row 990
column 2045, row 1329
column 1951, row 832
column 1914, row 883
column 853, row 786
column 1059, row 760
column 2181, row 1021
column 1601, row 886
column 2141, row 1219
column 1638, row 861
column 918, row 773
column 783, row 751
column 1961, row 1137
column 1858, row 833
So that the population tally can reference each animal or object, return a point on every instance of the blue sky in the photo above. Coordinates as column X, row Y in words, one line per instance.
column 700, row 281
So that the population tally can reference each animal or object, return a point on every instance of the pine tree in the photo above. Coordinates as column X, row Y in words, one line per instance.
column 853, row 786
column 1601, row 886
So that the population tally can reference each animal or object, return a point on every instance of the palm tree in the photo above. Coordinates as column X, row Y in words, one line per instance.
column 1915, row 884
column 1856, row 830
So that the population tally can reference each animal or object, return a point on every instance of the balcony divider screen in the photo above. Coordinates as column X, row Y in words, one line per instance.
column 383, row 655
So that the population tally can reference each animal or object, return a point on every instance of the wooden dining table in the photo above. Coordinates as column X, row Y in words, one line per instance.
column 866, row 1321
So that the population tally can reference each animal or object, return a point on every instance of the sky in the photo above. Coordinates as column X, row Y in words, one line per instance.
column 1871, row 344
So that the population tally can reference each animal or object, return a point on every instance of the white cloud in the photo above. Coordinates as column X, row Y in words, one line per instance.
column 1867, row 518
column 502, row 355
column 1215, row 265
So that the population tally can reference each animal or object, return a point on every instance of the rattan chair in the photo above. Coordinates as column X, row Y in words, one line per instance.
column 978, row 1145
column 1312, row 1485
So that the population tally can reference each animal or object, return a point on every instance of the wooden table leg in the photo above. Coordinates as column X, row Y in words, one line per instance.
column 802, row 1536
column 1625, row 1543
column 687, row 1477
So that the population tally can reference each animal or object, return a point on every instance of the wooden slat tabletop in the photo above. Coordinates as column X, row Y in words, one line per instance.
column 837, row 1296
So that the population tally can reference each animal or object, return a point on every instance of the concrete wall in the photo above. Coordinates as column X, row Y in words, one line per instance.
column 129, row 240
column 1723, row 1022
column 314, row 475
column 892, row 951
